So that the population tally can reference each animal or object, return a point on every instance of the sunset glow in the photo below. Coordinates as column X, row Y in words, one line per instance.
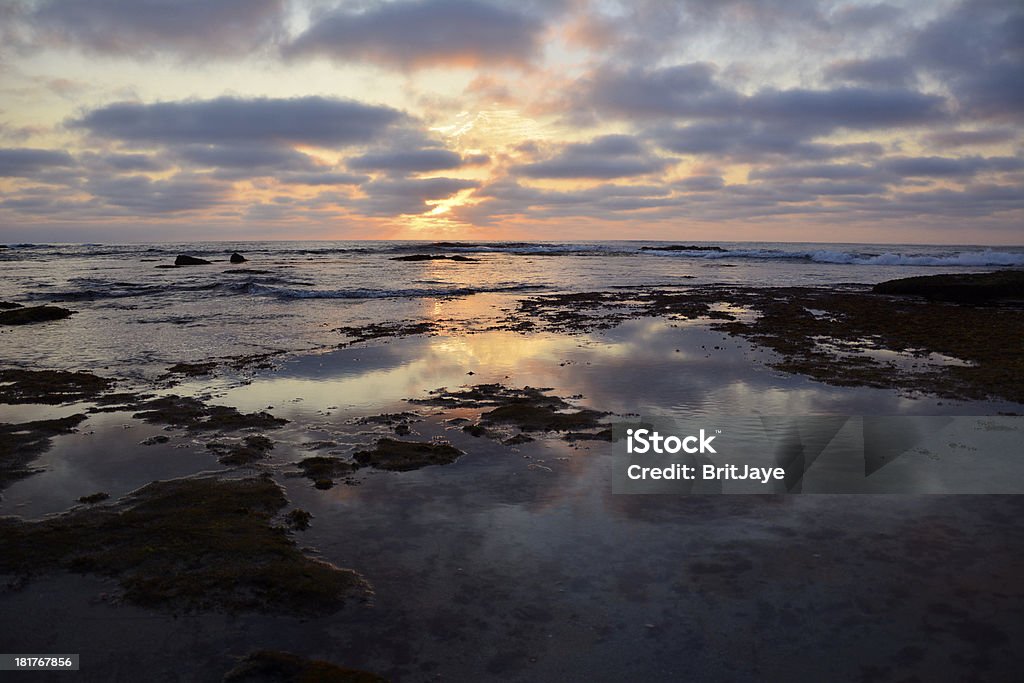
column 835, row 121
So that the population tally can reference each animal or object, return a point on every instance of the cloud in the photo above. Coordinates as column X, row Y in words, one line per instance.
column 749, row 141
column 691, row 92
column 827, row 171
column 124, row 162
column 976, row 50
column 946, row 167
column 883, row 71
column 417, row 33
column 142, row 195
column 319, row 121
column 27, row 161
column 701, row 183
column 413, row 161
column 407, row 196
column 684, row 90
column 964, row 138
column 250, row 157
column 326, row 178
column 188, row 28
column 605, row 157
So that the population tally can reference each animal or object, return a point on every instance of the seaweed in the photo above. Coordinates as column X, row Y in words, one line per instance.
column 249, row 450
column 325, row 468
column 529, row 408
column 200, row 543
column 194, row 415
column 51, row 387
column 381, row 330
column 191, row 369
column 401, row 456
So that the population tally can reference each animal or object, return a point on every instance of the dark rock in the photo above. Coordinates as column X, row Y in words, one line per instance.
column 194, row 415
column 25, row 315
column 433, row 257
column 8, row 305
column 238, row 258
column 390, row 454
column 682, row 247
column 962, row 287
column 51, row 387
column 184, row 260
column 94, row 498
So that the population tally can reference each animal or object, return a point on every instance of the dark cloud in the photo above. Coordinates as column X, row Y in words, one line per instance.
column 965, row 138
column 827, row 171
column 319, row 121
column 701, row 183
column 608, row 156
column 977, row 49
column 413, row 161
column 125, row 162
column 414, row 33
column 691, row 92
column 507, row 197
column 327, row 178
column 884, row 71
column 187, row 27
column 749, row 141
column 251, row 157
column 27, row 161
column 407, row 196
column 854, row 108
column 678, row 91
column 142, row 195
column 947, row 167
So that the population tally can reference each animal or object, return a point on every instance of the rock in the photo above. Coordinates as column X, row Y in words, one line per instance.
column 961, row 287
column 25, row 315
column 433, row 257
column 238, row 258
column 682, row 247
column 185, row 260
column 8, row 305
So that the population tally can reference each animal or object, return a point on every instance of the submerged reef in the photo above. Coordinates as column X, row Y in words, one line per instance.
column 51, row 387
column 529, row 409
column 387, row 329
column 200, row 543
column 401, row 456
column 194, row 415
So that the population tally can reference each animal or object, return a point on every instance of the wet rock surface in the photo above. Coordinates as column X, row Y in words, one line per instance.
column 27, row 315
column 974, row 288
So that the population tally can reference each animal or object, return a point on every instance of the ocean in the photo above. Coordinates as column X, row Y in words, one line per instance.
column 288, row 296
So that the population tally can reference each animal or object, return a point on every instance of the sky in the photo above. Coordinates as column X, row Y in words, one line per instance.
column 764, row 120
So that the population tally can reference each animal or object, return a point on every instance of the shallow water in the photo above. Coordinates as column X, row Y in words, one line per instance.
column 513, row 563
